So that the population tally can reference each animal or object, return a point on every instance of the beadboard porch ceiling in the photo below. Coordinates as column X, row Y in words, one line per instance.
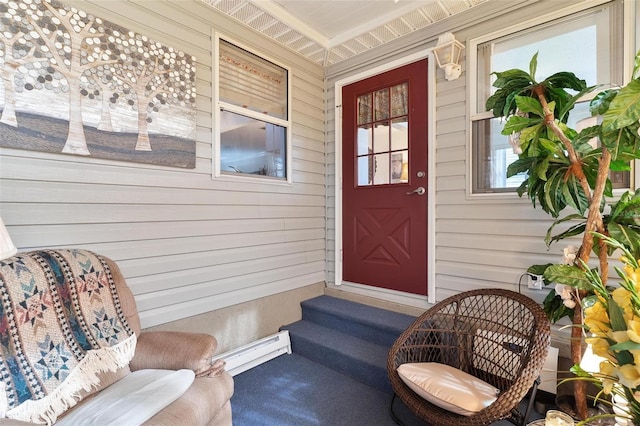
column 330, row 31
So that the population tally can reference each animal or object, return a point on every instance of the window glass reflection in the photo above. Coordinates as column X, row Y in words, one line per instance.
column 251, row 146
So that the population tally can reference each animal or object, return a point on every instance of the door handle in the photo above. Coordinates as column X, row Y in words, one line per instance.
column 419, row 190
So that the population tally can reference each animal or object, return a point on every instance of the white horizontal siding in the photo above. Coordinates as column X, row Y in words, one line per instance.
column 186, row 243
column 480, row 241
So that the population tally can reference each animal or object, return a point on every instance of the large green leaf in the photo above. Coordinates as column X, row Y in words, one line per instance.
column 565, row 80
column 600, row 103
column 555, row 148
column 568, row 233
column 627, row 209
column 529, row 134
column 554, row 308
column 538, row 269
column 509, row 83
column 616, row 316
column 533, row 66
column 576, row 194
column 541, row 169
column 510, row 77
column 553, row 201
column 629, row 345
column 620, row 166
column 520, row 165
column 515, row 123
column 581, row 141
column 528, row 104
column 624, row 109
column 571, row 193
column 568, row 275
column 569, row 102
column 627, row 235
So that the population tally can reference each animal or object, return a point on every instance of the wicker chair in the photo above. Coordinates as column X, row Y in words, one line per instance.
column 498, row 336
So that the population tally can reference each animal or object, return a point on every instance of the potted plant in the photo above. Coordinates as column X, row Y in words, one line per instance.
column 568, row 171
column 612, row 316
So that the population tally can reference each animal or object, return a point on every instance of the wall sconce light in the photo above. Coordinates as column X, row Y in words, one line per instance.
column 447, row 53
column 7, row 249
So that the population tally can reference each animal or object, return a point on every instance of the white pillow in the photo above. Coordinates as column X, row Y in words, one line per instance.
column 132, row 400
column 447, row 387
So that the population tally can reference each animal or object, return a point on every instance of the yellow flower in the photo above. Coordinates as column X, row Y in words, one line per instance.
column 633, row 274
column 633, row 329
column 629, row 376
column 598, row 328
column 600, row 347
column 597, row 312
column 597, row 320
column 609, row 372
column 619, row 336
column 622, row 297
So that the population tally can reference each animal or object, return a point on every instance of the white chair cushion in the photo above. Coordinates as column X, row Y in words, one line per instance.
column 132, row 400
column 447, row 387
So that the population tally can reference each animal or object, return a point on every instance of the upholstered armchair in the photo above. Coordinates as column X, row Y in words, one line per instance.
column 73, row 350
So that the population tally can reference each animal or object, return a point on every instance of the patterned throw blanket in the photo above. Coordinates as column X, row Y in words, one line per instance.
column 61, row 325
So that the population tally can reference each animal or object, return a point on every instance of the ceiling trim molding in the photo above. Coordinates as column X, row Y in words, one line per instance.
column 427, row 36
column 371, row 25
column 303, row 28
column 274, row 21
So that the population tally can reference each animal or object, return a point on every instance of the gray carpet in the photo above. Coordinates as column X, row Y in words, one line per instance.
column 292, row 390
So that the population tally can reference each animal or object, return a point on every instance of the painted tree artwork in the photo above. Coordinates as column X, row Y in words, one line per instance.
column 76, row 84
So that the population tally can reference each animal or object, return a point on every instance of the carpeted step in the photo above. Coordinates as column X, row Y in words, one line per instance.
column 359, row 359
column 375, row 325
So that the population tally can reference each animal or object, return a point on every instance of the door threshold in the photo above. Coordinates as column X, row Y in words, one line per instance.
column 406, row 303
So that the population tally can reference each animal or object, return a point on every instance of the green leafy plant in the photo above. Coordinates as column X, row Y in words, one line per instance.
column 568, row 170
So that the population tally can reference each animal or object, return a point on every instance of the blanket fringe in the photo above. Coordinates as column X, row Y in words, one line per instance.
column 83, row 377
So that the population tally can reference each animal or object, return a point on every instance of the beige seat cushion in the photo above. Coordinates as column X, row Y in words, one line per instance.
column 447, row 387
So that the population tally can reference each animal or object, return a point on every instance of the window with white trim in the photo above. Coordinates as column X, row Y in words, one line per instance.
column 253, row 115
column 588, row 43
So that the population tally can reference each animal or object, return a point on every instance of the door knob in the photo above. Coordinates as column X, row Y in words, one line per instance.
column 419, row 190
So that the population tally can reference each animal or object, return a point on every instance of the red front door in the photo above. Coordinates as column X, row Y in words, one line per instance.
column 384, row 193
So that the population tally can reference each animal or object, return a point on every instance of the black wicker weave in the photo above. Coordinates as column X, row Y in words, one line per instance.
column 499, row 336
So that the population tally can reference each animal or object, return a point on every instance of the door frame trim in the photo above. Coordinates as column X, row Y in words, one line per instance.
column 385, row 294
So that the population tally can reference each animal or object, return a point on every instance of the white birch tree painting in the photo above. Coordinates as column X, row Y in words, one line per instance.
column 67, row 67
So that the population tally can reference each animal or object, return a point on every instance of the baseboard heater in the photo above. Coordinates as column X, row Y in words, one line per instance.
column 255, row 353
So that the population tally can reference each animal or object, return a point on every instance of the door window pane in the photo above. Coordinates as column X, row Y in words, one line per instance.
column 365, row 139
column 364, row 109
column 399, row 96
column 400, row 134
column 381, row 137
column 381, row 98
column 400, row 167
column 383, row 144
column 365, row 170
column 381, row 166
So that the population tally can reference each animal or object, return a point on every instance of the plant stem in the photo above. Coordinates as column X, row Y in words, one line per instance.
column 594, row 223
column 550, row 122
